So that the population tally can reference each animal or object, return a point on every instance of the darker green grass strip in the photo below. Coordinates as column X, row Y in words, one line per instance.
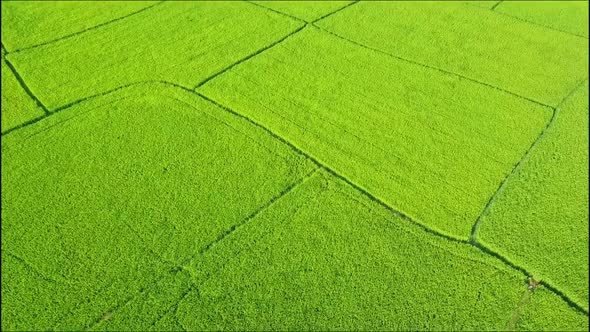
column 336, row 11
column 276, row 11
column 24, row 124
column 496, row 5
column 564, row 297
column 476, row 226
column 85, row 30
column 540, row 25
column 430, row 67
column 22, row 83
column 473, row 239
column 400, row 214
column 250, row 56
column 29, row 267
column 253, row 215
column 516, row 167
column 367, row 194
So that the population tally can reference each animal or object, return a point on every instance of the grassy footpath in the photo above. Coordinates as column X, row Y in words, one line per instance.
column 540, row 217
column 28, row 24
column 478, row 43
column 325, row 257
column 17, row 107
column 410, row 135
column 566, row 16
column 262, row 165
column 180, row 42
column 118, row 190
column 306, row 10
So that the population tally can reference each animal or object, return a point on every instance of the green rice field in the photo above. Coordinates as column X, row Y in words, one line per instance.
column 295, row 165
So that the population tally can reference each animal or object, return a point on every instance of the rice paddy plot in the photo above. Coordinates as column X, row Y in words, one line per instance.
column 180, row 42
column 566, row 16
column 102, row 199
column 28, row 24
column 17, row 107
column 429, row 144
column 325, row 257
column 273, row 165
column 480, row 44
column 540, row 218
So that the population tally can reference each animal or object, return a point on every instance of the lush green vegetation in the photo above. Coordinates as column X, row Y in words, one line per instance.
column 30, row 23
column 180, row 42
column 541, row 217
column 325, row 257
column 567, row 16
column 305, row 9
column 17, row 107
column 414, row 143
column 224, row 165
column 475, row 42
column 121, row 189
column 543, row 304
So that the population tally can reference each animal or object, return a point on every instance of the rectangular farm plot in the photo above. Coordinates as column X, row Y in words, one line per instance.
column 432, row 145
column 31, row 23
column 540, row 218
column 148, row 171
column 325, row 257
column 500, row 50
column 179, row 42
column 17, row 107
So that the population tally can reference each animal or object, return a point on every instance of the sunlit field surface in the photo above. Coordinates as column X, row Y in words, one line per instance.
column 295, row 165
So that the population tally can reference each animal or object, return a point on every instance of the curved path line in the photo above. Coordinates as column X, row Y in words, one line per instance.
column 81, row 31
column 398, row 213
column 334, row 173
column 365, row 193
